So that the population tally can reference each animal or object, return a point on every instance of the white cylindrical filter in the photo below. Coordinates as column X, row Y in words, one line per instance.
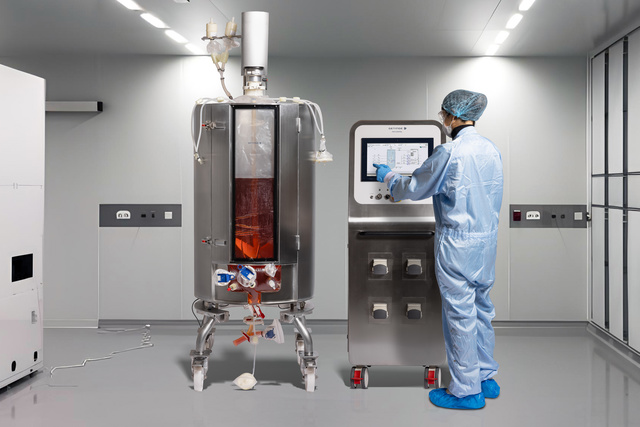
column 212, row 29
column 255, row 40
column 231, row 28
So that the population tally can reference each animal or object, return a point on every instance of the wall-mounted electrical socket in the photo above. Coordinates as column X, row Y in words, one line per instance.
column 533, row 215
column 123, row 215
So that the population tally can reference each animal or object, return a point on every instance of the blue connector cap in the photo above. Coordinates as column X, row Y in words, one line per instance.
column 225, row 278
column 270, row 334
column 247, row 273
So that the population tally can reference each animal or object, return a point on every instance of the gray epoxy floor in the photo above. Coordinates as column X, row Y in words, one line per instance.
column 550, row 376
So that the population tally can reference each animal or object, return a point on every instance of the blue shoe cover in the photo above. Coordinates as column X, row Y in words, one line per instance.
column 490, row 389
column 441, row 398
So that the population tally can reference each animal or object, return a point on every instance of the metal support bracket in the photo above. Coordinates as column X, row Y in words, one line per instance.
column 200, row 359
column 219, row 315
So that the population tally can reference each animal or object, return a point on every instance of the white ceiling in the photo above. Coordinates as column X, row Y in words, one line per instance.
column 318, row 28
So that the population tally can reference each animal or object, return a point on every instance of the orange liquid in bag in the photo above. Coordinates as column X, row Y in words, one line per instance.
column 254, row 219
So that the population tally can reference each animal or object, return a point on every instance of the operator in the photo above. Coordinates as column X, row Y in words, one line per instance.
column 464, row 177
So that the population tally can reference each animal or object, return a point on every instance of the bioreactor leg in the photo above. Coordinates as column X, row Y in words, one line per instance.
column 304, row 343
column 299, row 322
column 204, row 341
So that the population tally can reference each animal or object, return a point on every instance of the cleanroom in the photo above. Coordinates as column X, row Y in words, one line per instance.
column 242, row 211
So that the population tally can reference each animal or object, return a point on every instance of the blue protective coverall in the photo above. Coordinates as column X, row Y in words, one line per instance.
column 464, row 176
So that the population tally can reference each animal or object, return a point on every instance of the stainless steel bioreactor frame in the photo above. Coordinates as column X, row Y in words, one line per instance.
column 293, row 189
column 394, row 308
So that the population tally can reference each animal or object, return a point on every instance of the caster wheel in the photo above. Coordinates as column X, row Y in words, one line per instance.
column 353, row 378
column 310, row 379
column 432, row 377
column 360, row 377
column 365, row 377
column 198, row 378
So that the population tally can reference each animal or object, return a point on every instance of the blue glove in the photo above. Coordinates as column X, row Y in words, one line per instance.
column 383, row 170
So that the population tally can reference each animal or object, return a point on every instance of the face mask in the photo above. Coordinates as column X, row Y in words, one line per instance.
column 448, row 130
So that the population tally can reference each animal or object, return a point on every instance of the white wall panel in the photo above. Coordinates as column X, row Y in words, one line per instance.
column 615, row 107
column 597, row 190
column 634, row 191
column 544, row 289
column 117, row 157
column 634, row 102
column 597, row 266
column 139, row 273
column 615, row 272
column 634, row 279
column 616, row 191
column 597, row 114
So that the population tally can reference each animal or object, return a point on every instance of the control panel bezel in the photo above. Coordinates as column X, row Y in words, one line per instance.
column 374, row 192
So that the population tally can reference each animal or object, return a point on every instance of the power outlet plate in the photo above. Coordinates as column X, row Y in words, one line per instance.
column 533, row 215
column 548, row 216
column 140, row 215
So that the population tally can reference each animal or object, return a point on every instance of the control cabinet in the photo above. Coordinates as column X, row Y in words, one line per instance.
column 22, row 106
column 394, row 309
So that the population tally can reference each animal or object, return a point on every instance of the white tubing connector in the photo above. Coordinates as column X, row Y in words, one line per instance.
column 323, row 156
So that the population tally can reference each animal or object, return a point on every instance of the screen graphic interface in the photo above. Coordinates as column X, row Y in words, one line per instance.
column 402, row 155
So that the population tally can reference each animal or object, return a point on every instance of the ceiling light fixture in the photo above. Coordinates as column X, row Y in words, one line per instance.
column 176, row 37
column 501, row 37
column 492, row 50
column 526, row 5
column 130, row 4
column 514, row 21
column 153, row 20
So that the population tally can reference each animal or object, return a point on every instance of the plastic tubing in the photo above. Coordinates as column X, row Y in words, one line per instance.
column 196, row 143
column 221, row 71
column 316, row 114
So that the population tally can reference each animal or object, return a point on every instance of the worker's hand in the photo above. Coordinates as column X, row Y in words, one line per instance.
column 382, row 171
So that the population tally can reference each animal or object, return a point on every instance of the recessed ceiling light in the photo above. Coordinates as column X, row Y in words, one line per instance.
column 514, row 21
column 501, row 37
column 526, row 5
column 175, row 36
column 492, row 50
column 153, row 20
column 194, row 49
column 130, row 4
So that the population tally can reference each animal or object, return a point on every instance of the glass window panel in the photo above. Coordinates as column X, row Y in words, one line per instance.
column 597, row 190
column 615, row 272
column 254, row 190
column 634, row 280
column 634, row 191
column 634, row 102
column 597, row 111
column 616, row 191
column 597, row 266
column 615, row 108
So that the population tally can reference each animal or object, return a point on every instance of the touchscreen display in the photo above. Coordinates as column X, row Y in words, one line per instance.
column 402, row 155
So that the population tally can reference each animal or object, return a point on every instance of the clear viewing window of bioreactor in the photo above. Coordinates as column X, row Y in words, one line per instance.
column 402, row 155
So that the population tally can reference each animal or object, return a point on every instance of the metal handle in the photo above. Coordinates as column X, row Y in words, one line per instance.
column 396, row 233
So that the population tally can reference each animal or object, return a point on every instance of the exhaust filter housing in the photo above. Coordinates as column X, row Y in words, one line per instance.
column 255, row 41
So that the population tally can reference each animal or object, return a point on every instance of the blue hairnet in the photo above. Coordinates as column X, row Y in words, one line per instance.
column 465, row 104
